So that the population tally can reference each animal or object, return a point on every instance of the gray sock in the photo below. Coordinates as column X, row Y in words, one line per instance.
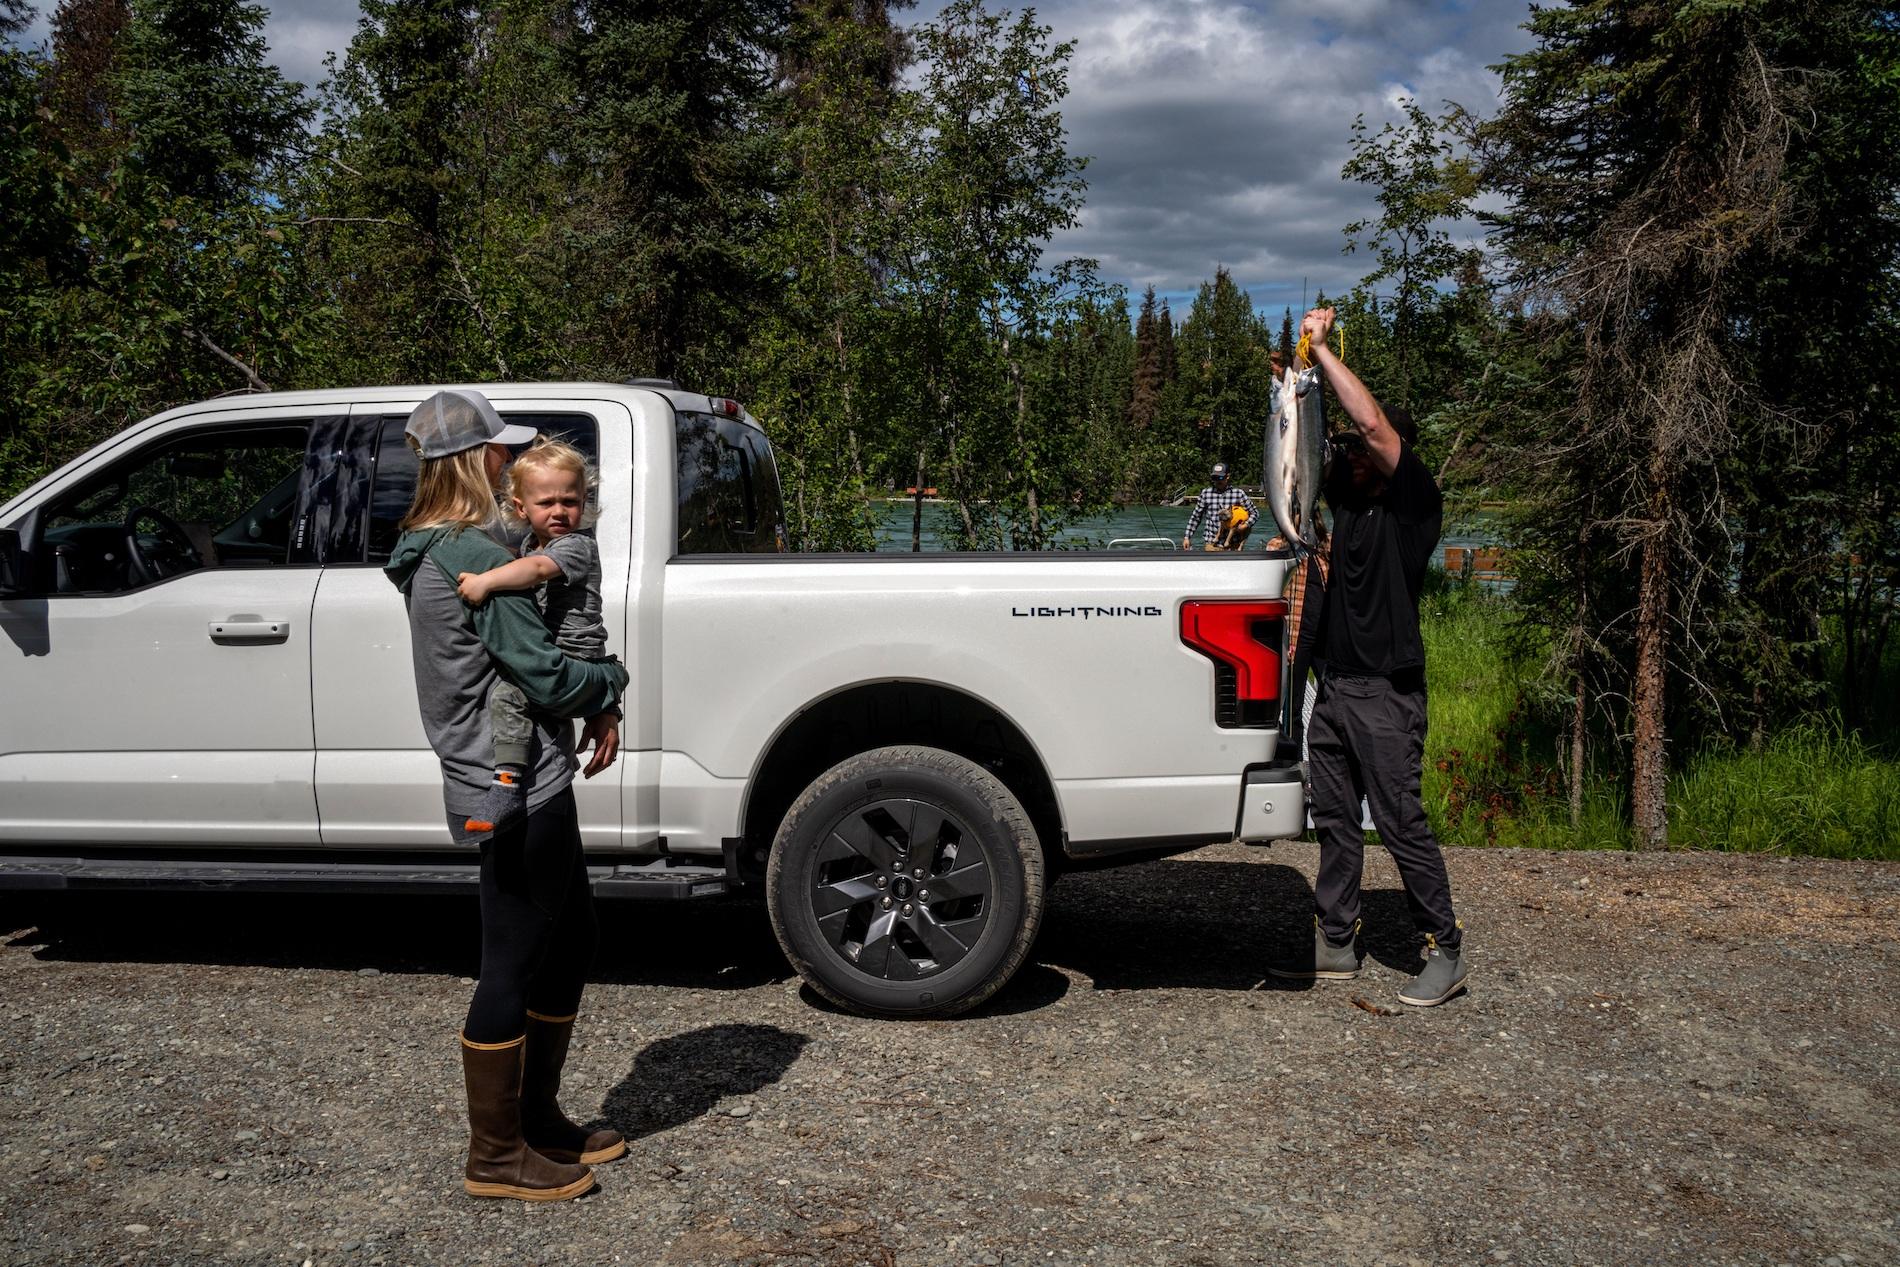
column 504, row 804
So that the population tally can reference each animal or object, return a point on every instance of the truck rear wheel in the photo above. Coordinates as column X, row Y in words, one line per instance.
column 906, row 882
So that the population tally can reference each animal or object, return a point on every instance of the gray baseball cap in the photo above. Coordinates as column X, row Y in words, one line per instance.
column 452, row 421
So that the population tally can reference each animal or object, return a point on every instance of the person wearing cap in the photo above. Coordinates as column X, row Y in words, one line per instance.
column 538, row 925
column 1366, row 737
column 1211, row 507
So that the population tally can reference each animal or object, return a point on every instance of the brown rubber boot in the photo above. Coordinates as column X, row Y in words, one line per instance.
column 543, row 1125
column 500, row 1163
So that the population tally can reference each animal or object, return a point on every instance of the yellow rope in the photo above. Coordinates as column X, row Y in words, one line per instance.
column 1303, row 354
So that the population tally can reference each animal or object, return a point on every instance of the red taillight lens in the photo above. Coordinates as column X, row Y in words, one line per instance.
column 1244, row 636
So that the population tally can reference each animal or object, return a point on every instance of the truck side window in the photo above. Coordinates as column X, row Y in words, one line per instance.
column 728, row 487
column 216, row 497
column 394, row 482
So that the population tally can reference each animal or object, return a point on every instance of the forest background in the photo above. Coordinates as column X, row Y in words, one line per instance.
column 1666, row 353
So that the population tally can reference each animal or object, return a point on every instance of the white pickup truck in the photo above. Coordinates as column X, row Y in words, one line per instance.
column 205, row 682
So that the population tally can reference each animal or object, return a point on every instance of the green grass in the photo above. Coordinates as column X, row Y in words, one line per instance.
column 1472, row 681
column 1810, row 791
column 1491, row 775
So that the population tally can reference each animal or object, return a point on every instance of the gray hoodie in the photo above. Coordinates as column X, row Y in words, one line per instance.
column 460, row 652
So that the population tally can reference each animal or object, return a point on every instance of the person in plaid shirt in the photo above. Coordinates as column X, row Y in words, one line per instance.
column 1211, row 507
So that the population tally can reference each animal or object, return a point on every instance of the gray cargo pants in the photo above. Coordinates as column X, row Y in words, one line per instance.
column 1367, row 738
column 508, row 717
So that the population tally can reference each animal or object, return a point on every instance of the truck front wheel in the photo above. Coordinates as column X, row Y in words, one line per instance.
column 906, row 882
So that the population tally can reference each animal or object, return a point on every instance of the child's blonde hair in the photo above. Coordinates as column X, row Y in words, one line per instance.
column 451, row 491
column 549, row 454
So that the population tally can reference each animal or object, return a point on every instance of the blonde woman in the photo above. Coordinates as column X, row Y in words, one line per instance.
column 538, row 927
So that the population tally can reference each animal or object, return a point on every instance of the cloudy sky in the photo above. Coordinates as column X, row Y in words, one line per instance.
column 1215, row 130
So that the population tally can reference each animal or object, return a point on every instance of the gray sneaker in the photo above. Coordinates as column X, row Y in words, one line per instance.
column 1441, row 978
column 1324, row 962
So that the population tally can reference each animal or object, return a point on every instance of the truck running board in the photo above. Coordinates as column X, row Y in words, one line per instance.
column 662, row 879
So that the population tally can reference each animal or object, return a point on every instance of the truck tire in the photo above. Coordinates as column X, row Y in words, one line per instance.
column 906, row 882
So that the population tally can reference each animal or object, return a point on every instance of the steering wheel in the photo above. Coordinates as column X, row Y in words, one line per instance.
column 172, row 554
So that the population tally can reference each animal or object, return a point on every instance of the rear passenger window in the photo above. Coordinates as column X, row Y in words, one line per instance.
column 728, row 487
column 394, row 482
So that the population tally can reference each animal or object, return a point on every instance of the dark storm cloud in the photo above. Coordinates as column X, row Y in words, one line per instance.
column 1216, row 132
column 304, row 32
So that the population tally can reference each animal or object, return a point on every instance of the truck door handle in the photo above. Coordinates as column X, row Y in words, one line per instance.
column 250, row 630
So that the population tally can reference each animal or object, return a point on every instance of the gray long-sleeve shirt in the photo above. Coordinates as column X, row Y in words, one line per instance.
column 459, row 655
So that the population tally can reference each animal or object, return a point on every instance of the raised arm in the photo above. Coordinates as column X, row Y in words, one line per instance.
column 1382, row 442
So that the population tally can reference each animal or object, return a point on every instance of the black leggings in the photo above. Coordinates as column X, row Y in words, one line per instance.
column 538, row 927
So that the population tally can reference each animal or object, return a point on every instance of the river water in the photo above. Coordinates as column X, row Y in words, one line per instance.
column 1138, row 527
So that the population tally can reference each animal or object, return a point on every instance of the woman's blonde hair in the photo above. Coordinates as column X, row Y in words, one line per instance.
column 549, row 454
column 451, row 491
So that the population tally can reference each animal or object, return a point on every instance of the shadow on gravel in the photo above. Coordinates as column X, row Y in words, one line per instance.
column 1189, row 924
column 683, row 1077
column 731, row 941
column 1035, row 986
column 1170, row 924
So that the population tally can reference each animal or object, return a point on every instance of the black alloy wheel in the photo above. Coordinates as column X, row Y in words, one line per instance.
column 906, row 882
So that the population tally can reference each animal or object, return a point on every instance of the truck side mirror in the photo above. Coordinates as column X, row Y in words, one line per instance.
column 13, row 577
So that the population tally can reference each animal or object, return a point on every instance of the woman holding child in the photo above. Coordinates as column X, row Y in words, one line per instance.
column 508, row 766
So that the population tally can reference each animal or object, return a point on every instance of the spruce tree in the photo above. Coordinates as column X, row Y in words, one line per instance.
column 1644, row 151
column 1144, row 404
column 1166, row 356
column 388, row 195
column 1225, row 378
column 675, row 164
column 81, row 84
column 208, row 116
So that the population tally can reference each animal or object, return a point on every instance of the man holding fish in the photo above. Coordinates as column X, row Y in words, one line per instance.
column 1367, row 734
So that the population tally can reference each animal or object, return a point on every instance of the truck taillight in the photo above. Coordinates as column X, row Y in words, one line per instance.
column 1242, row 637
column 724, row 407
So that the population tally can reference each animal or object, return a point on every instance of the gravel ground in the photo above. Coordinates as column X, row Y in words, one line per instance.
column 1682, row 1058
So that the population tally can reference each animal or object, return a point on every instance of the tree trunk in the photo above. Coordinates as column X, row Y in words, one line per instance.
column 917, row 509
column 850, row 406
column 1577, row 755
column 1850, row 627
column 1649, row 758
column 1580, row 714
column 804, row 520
column 1022, row 455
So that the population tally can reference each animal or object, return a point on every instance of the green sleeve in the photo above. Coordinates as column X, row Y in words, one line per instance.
column 510, row 626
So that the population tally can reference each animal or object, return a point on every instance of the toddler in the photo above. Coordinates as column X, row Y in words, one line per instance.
column 548, row 487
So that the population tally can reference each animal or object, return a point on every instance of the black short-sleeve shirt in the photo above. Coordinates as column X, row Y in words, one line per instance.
column 1381, row 547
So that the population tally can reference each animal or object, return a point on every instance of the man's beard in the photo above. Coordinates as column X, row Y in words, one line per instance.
column 1342, row 491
